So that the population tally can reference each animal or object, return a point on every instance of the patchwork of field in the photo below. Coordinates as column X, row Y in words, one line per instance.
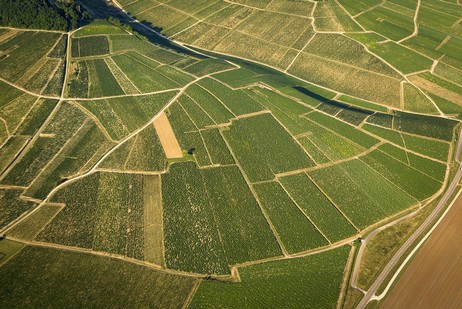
column 34, row 60
column 237, row 176
column 364, row 49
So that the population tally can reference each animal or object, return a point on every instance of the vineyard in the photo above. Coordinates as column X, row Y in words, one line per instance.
column 231, row 163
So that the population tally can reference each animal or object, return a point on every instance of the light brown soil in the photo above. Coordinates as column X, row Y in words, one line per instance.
column 436, row 89
column 167, row 137
column 7, row 34
column 434, row 277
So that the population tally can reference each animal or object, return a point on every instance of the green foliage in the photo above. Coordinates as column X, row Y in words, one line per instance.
column 264, row 148
column 34, row 14
column 197, row 208
column 142, row 152
column 407, row 178
column 66, row 276
column 32, row 225
column 353, row 134
column 295, row 230
column 436, row 127
column 65, row 123
column 309, row 282
column 317, row 207
column 237, row 101
column 10, row 149
column 11, row 206
column 103, row 212
column 121, row 116
column 91, row 46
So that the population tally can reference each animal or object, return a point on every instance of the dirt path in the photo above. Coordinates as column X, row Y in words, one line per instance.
column 167, row 137
column 434, row 277
column 416, row 24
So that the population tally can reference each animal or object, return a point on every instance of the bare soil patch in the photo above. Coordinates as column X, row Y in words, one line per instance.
column 434, row 277
column 167, row 137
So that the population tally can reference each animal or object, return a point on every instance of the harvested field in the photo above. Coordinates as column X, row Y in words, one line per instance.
column 167, row 137
column 434, row 277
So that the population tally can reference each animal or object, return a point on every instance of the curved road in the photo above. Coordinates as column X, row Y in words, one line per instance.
column 370, row 294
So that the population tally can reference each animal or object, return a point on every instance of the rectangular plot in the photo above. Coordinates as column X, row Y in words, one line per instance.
column 167, row 137
column 275, row 27
column 263, row 147
column 349, row 197
column 210, row 104
column 296, row 232
column 144, row 77
column 219, row 152
column 29, row 228
column 434, row 149
column 237, row 101
column 198, row 116
column 390, row 198
column 318, row 208
column 410, row 180
column 93, row 46
column 245, row 232
column 309, row 282
column 192, row 242
column 102, row 82
column 344, row 129
column 153, row 227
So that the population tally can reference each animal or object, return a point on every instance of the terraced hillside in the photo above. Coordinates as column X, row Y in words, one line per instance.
column 400, row 54
column 234, row 175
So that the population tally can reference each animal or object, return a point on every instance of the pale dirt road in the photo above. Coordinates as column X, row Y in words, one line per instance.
column 167, row 137
column 434, row 278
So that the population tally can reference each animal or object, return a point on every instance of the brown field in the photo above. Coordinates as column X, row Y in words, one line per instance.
column 434, row 277
column 436, row 89
column 167, row 138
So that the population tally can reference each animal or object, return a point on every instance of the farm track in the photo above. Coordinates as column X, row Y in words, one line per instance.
column 416, row 24
column 370, row 294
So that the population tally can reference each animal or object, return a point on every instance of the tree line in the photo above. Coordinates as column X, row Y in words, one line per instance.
column 41, row 14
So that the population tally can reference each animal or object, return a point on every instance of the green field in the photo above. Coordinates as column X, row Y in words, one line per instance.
column 192, row 228
column 65, row 276
column 308, row 281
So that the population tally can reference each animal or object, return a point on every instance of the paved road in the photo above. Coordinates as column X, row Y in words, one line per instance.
column 427, row 223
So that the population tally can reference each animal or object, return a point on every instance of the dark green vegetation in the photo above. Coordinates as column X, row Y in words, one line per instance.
column 65, row 277
column 201, row 205
column 34, row 14
column 41, row 14
column 296, row 283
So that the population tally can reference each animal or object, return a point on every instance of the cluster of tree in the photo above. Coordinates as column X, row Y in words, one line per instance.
column 41, row 14
column 36, row 14
column 73, row 12
column 116, row 22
